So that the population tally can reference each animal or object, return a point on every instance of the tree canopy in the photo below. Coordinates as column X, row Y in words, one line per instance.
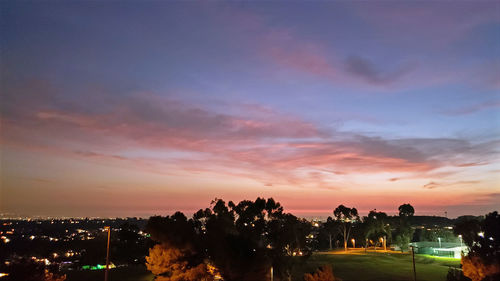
column 241, row 241
column 345, row 216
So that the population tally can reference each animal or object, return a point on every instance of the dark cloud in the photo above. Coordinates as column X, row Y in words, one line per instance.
column 367, row 71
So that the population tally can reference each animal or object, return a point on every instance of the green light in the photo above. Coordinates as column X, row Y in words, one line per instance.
column 94, row 267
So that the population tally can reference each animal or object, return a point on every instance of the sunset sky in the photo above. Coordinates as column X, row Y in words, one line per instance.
column 112, row 108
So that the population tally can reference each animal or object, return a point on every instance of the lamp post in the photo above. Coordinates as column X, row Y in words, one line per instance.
column 107, row 254
column 353, row 243
column 413, row 259
column 439, row 239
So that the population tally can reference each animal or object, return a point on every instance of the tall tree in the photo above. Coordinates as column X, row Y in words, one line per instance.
column 404, row 232
column 377, row 225
column 329, row 231
column 345, row 216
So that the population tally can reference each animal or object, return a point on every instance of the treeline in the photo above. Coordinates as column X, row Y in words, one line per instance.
column 234, row 241
column 251, row 240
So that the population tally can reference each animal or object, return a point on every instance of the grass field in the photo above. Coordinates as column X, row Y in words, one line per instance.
column 355, row 265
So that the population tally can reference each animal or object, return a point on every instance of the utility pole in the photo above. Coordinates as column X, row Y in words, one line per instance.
column 413, row 259
column 107, row 254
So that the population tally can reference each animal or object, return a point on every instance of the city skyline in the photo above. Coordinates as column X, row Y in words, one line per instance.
column 120, row 109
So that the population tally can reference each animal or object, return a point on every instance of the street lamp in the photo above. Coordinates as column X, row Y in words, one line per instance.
column 439, row 239
column 460, row 237
column 353, row 243
column 413, row 260
column 107, row 228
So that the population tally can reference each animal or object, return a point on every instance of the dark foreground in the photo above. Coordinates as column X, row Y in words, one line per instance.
column 355, row 265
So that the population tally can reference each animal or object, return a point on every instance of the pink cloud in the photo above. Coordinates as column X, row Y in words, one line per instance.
column 257, row 142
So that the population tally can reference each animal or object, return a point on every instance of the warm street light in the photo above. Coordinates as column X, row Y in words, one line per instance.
column 107, row 254
column 353, row 243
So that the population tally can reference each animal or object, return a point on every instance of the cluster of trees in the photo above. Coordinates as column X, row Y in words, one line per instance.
column 251, row 239
column 376, row 229
column 482, row 236
column 244, row 241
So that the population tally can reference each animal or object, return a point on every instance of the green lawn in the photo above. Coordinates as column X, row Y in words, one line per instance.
column 353, row 266
column 379, row 266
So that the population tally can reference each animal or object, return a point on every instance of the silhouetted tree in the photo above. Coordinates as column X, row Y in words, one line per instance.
column 404, row 232
column 468, row 228
column 377, row 225
column 127, row 245
column 328, row 232
column 345, row 217
column 483, row 260
column 406, row 210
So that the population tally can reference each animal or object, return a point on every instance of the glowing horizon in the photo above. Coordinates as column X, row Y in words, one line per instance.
column 144, row 108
